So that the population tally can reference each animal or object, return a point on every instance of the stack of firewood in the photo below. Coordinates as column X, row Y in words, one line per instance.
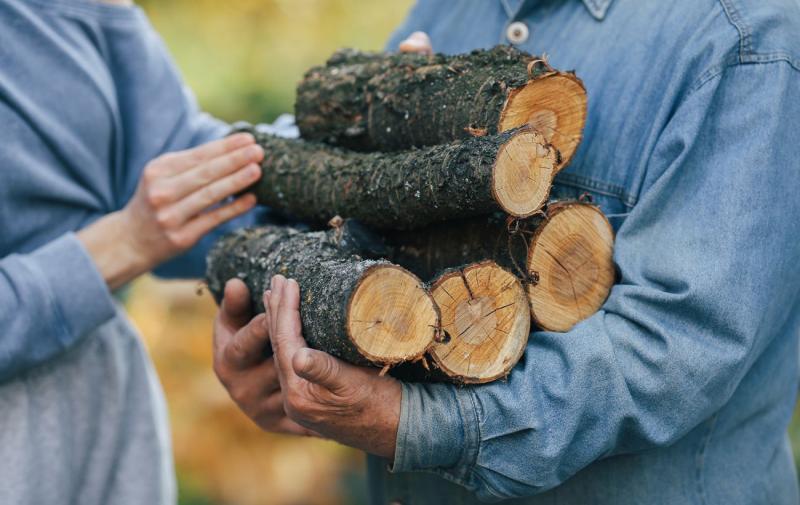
column 433, row 174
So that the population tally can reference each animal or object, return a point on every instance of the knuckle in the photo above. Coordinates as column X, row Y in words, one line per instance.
column 208, row 196
column 166, row 220
column 240, row 156
column 235, row 352
column 158, row 197
column 296, row 405
column 328, row 369
column 179, row 240
column 193, row 156
column 150, row 172
column 221, row 373
column 240, row 395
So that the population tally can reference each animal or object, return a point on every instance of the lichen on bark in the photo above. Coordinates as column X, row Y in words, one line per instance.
column 369, row 101
column 397, row 190
column 327, row 274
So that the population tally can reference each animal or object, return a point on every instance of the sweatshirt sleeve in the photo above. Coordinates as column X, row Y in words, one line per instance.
column 49, row 299
column 709, row 278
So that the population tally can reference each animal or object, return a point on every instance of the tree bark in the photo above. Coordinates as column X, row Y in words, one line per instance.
column 366, row 312
column 396, row 101
column 430, row 251
column 563, row 257
column 511, row 171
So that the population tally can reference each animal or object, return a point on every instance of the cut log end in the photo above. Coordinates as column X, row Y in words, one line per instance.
column 572, row 255
column 391, row 317
column 523, row 173
column 485, row 323
column 554, row 104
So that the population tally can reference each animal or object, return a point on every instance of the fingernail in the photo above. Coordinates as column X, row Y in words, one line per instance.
column 254, row 150
column 243, row 138
column 272, row 283
column 253, row 171
column 306, row 361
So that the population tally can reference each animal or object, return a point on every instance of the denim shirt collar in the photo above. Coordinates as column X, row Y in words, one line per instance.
column 597, row 8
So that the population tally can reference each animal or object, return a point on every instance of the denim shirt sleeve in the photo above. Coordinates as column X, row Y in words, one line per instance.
column 709, row 270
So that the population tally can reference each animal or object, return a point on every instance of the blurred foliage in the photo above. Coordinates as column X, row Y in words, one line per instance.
column 221, row 456
column 243, row 59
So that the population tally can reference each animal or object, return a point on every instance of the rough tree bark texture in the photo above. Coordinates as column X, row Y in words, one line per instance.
column 395, row 101
column 337, row 308
column 511, row 171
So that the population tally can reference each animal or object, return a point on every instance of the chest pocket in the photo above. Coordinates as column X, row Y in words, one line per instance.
column 615, row 202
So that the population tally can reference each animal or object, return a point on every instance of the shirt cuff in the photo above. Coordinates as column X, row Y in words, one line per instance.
column 438, row 430
column 79, row 294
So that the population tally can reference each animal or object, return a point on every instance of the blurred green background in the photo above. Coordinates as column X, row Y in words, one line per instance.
column 243, row 58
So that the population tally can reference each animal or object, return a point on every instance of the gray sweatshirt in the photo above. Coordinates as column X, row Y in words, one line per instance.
column 88, row 95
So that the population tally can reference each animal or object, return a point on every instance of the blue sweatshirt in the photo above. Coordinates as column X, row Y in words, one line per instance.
column 88, row 96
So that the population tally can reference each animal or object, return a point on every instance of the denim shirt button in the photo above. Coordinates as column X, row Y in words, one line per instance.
column 517, row 32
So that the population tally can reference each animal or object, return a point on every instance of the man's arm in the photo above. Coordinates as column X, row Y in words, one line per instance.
column 709, row 276
column 709, row 268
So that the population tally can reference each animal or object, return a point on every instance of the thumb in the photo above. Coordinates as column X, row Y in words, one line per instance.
column 319, row 368
column 235, row 309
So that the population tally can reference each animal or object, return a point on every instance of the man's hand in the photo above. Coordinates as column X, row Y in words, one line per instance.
column 417, row 42
column 251, row 380
column 299, row 390
column 352, row 405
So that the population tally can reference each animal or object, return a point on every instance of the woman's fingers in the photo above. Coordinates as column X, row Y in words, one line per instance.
column 211, row 170
column 212, row 194
column 177, row 162
column 207, row 221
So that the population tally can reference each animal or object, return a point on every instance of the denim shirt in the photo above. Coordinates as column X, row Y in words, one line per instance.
column 680, row 389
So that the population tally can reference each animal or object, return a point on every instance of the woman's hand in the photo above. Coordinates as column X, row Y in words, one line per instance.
column 174, row 206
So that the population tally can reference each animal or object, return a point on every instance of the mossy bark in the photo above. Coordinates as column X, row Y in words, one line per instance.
column 327, row 271
column 400, row 190
column 395, row 101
